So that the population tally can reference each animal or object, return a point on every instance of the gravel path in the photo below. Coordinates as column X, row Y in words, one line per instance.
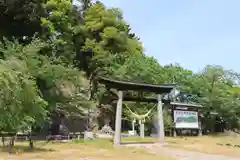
column 181, row 154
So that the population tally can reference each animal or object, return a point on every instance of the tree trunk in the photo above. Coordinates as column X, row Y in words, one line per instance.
column 30, row 142
column 11, row 144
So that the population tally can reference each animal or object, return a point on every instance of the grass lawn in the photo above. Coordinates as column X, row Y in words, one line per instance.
column 79, row 150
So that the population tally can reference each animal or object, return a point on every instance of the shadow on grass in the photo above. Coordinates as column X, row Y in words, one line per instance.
column 224, row 134
column 100, row 143
column 126, row 143
column 110, row 142
column 23, row 149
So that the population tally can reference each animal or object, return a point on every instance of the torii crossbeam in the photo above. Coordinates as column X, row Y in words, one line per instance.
column 127, row 86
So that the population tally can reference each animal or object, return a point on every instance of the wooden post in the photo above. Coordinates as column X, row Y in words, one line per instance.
column 160, row 119
column 199, row 124
column 200, row 128
column 141, row 128
column 174, row 124
column 174, row 132
column 133, row 126
column 118, row 120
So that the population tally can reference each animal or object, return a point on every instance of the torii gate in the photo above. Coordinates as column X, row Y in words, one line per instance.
column 126, row 86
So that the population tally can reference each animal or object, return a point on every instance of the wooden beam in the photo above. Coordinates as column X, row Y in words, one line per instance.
column 126, row 85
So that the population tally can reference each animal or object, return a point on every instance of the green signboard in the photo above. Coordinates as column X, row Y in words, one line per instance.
column 185, row 119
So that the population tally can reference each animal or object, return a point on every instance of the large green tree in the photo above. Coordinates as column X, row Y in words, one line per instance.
column 21, row 104
column 20, row 19
column 58, row 83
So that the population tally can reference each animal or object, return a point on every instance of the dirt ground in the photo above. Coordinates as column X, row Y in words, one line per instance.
column 228, row 145
column 217, row 147
column 180, row 154
column 222, row 144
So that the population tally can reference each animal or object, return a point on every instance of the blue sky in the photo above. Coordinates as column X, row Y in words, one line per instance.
column 193, row 33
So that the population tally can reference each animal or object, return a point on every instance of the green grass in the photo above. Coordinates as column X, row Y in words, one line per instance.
column 139, row 139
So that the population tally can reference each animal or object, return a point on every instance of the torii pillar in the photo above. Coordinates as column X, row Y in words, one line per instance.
column 160, row 119
column 118, row 120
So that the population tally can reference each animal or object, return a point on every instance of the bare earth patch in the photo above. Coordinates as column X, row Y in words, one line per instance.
column 217, row 147
column 222, row 145
column 179, row 154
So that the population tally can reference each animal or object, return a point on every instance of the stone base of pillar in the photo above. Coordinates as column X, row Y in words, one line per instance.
column 88, row 135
